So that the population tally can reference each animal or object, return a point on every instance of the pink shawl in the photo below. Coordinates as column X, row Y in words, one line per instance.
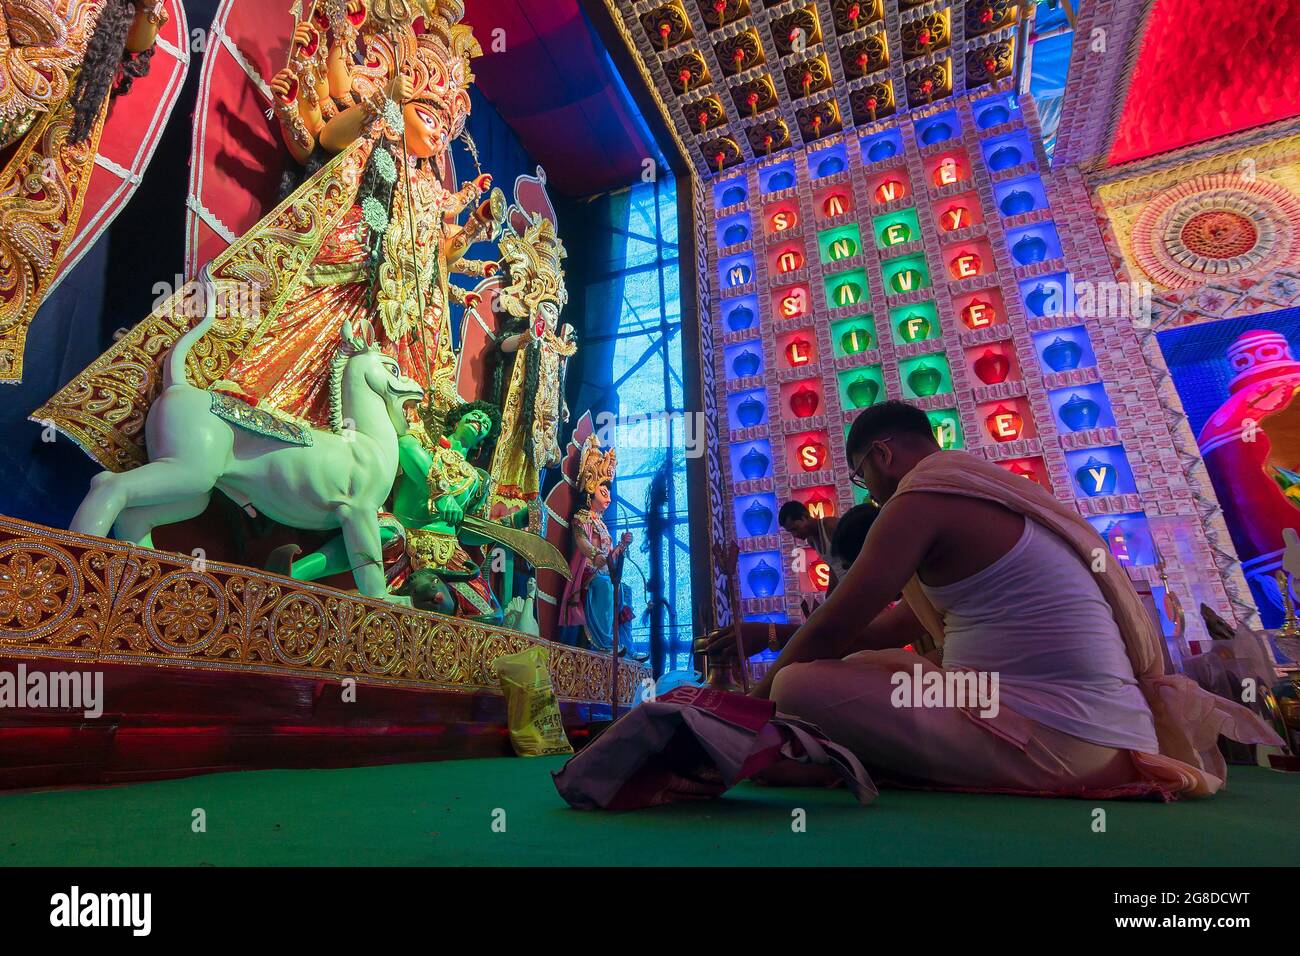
column 1188, row 719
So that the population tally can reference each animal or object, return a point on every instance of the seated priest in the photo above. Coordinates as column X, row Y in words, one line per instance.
column 1052, row 679
column 850, row 533
column 818, row 533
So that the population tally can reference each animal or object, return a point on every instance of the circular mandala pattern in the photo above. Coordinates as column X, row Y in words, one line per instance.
column 298, row 625
column 381, row 641
column 1216, row 226
column 184, row 612
column 39, row 588
column 1220, row 234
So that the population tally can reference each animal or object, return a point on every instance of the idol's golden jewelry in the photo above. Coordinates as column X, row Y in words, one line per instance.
column 450, row 473
column 478, row 268
column 373, row 105
column 308, row 78
column 292, row 122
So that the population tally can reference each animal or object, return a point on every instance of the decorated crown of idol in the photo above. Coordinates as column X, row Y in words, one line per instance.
column 597, row 467
column 427, row 41
column 531, row 249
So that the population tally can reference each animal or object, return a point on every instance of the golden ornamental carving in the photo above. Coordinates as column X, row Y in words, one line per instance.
column 850, row 15
column 687, row 73
column 40, row 50
column 667, row 25
column 50, row 152
column 811, row 76
column 184, row 612
column 797, row 31
column 43, row 185
column 88, row 599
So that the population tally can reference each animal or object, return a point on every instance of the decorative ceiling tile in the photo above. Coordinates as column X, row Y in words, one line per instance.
column 850, row 15
column 740, row 53
column 755, row 96
column 667, row 25
column 926, row 34
column 866, row 56
column 705, row 114
column 796, row 32
column 769, row 136
column 744, row 79
column 720, row 13
column 808, row 77
column 687, row 73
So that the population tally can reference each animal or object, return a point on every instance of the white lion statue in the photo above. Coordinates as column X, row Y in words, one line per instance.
column 339, row 479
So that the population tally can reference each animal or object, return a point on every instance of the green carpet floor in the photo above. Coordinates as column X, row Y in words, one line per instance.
column 442, row 814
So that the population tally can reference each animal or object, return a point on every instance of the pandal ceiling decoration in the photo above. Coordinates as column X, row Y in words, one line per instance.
column 744, row 79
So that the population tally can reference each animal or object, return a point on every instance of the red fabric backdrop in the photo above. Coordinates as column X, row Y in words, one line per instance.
column 1207, row 69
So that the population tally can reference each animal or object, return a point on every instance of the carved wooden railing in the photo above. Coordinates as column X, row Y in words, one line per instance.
column 75, row 597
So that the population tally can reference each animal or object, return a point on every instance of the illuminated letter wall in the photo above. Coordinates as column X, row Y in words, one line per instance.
column 926, row 267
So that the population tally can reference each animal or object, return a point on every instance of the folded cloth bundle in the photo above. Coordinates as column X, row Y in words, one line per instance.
column 694, row 743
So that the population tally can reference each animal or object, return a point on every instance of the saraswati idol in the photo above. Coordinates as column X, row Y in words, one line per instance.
column 375, row 94
column 589, row 597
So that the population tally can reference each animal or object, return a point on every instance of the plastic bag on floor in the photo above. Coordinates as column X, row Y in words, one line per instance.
column 532, row 710
column 695, row 743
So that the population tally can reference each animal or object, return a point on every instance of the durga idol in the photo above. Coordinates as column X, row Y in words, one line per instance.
column 371, row 237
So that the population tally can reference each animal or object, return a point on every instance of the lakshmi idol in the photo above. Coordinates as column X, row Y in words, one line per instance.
column 375, row 94
column 589, row 597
